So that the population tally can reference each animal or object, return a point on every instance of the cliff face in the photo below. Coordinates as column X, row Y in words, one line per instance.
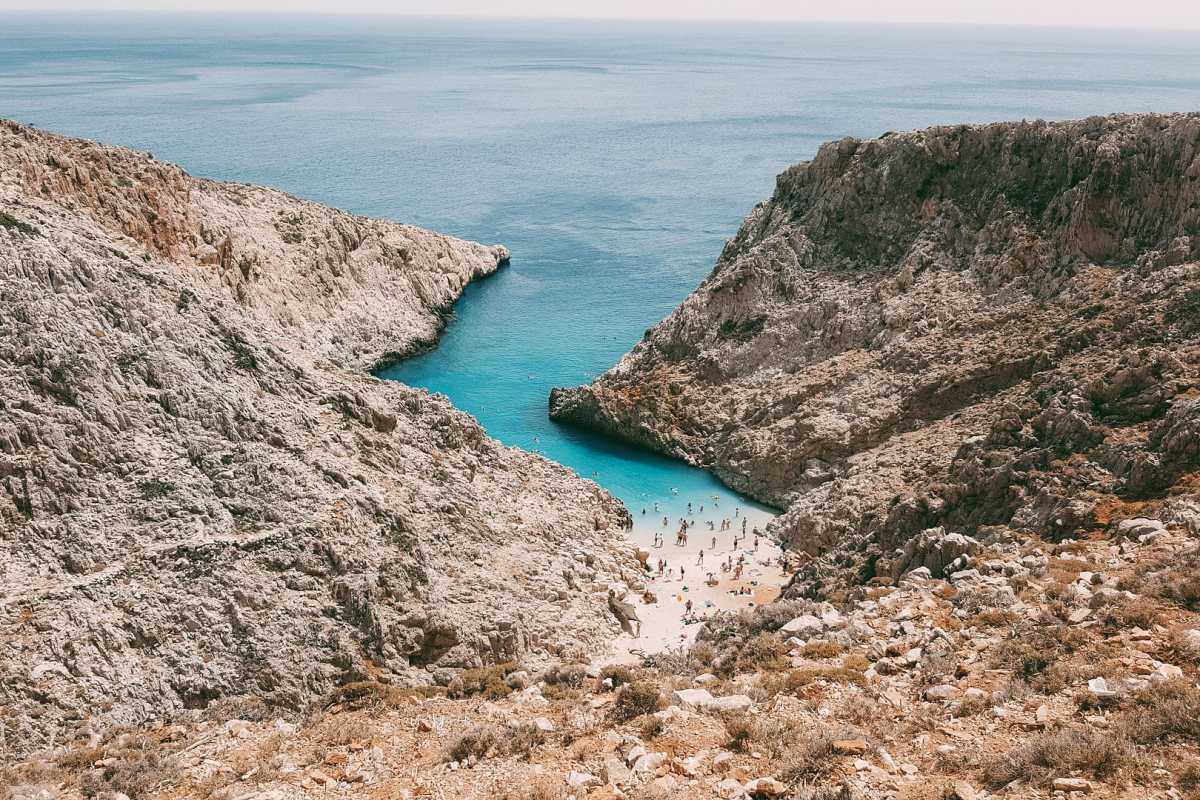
column 964, row 327
column 202, row 492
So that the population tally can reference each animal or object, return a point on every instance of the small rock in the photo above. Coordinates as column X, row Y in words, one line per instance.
column 850, row 747
column 942, row 693
column 582, row 780
column 804, row 625
column 733, row 703
column 965, row 791
column 1099, row 688
column 1072, row 785
column 691, row 698
column 766, row 787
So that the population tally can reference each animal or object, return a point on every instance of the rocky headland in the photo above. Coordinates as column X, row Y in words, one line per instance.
column 204, row 494
column 959, row 332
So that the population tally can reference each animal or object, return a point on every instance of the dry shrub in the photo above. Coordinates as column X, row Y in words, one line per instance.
column 541, row 788
column 479, row 742
column 1182, row 648
column 568, row 676
column 376, row 696
column 651, row 727
column 745, row 733
column 763, row 651
column 1187, row 778
column 618, row 674
column 135, row 770
column 634, row 700
column 857, row 662
column 80, row 757
column 703, row 654
column 488, row 682
column 1164, row 711
column 1138, row 613
column 821, row 648
column 246, row 706
column 939, row 789
column 796, row 680
column 342, row 729
column 992, row 618
column 524, row 739
column 971, row 705
column 810, row 754
column 1032, row 652
column 1178, row 582
column 1076, row 749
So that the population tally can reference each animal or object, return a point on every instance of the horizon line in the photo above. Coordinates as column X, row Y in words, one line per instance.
column 361, row 14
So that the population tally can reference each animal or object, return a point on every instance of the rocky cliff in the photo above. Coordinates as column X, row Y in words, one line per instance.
column 950, row 332
column 202, row 491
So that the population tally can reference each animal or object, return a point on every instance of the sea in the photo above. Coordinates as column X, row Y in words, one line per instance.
column 613, row 159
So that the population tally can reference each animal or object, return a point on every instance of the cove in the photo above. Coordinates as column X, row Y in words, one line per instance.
column 497, row 359
column 612, row 159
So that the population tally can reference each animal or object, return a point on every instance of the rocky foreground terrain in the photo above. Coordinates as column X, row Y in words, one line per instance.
column 203, row 493
column 964, row 360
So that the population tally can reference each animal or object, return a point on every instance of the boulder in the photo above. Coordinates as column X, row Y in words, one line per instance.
column 691, row 698
column 803, row 626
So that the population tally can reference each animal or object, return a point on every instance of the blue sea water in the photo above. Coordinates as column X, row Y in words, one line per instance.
column 612, row 158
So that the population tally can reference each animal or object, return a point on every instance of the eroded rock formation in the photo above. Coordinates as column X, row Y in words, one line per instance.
column 202, row 491
column 970, row 328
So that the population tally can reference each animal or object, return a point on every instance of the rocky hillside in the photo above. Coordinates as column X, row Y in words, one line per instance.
column 936, row 337
column 204, row 494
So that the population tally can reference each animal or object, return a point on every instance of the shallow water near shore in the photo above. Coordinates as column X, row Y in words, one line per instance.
column 612, row 159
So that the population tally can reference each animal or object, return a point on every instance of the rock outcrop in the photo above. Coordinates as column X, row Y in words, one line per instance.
column 969, row 328
column 203, row 493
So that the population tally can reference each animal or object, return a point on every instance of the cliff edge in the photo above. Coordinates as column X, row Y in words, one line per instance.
column 203, row 494
column 961, row 330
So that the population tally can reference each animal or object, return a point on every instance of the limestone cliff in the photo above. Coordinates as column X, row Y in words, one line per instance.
column 202, row 491
column 960, row 329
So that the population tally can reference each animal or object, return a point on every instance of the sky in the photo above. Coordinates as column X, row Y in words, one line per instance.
column 1179, row 14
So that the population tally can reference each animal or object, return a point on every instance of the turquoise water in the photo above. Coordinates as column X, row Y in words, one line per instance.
column 613, row 159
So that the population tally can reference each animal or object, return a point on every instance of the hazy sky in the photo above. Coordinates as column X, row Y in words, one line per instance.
column 1108, row 13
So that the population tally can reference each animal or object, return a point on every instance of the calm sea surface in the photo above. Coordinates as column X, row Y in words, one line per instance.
column 612, row 159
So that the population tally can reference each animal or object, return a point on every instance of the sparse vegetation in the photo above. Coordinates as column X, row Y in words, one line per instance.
column 1076, row 749
column 634, row 700
column 618, row 675
column 489, row 682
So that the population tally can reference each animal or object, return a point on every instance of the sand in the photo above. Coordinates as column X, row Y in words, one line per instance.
column 663, row 624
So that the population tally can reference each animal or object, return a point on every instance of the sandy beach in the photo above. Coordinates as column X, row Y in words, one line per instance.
column 665, row 623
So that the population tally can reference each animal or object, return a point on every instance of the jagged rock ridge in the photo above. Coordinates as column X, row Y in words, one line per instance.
column 202, row 491
column 950, row 330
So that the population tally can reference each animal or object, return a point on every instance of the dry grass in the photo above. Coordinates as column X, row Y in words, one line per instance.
column 634, row 700
column 651, row 728
column 810, row 754
column 135, row 770
column 524, row 739
column 489, row 682
column 480, row 742
column 340, row 730
column 567, row 676
column 376, row 696
column 1071, row 750
column 819, row 648
column 971, row 705
column 1167, row 711
column 1140, row 613
column 618, row 675
column 745, row 733
column 795, row 681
